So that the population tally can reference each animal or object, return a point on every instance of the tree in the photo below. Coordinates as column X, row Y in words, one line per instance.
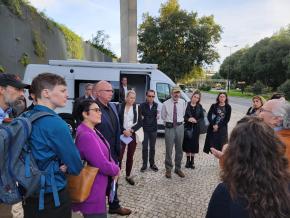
column 101, row 42
column 177, row 40
column 268, row 61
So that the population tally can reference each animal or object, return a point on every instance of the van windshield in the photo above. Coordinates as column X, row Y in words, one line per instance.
column 163, row 91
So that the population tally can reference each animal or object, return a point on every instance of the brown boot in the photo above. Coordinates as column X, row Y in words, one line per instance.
column 179, row 173
column 168, row 174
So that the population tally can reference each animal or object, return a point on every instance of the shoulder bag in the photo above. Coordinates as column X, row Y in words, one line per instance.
column 79, row 187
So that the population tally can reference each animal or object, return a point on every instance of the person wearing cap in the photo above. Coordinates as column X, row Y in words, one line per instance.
column 11, row 88
column 172, row 113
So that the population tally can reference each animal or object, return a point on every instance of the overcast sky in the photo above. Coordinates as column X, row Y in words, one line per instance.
column 244, row 22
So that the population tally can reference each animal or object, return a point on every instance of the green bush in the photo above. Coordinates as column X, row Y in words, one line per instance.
column 2, row 69
column 267, row 90
column 285, row 88
column 39, row 47
column 24, row 59
column 248, row 89
column 258, row 88
column 14, row 6
column 74, row 43
column 205, row 87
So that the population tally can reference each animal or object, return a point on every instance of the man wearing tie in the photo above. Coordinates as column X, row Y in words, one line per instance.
column 172, row 114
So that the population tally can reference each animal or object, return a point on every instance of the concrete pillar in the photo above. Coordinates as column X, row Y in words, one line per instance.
column 128, row 12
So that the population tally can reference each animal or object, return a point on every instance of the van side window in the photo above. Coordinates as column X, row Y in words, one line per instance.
column 163, row 91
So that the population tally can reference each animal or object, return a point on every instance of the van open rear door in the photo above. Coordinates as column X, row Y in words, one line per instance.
column 139, row 81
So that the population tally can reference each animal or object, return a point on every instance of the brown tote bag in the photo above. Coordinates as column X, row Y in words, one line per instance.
column 79, row 187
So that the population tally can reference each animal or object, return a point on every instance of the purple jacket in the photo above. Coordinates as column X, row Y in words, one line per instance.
column 96, row 153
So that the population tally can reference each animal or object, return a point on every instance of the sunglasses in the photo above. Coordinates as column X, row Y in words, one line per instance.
column 95, row 109
column 151, row 96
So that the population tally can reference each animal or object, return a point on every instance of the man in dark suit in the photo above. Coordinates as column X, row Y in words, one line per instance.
column 110, row 128
column 123, row 89
column 88, row 95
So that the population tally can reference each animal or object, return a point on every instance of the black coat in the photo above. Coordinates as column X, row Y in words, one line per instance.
column 219, row 138
column 191, row 141
column 138, row 124
column 122, row 93
column 111, row 134
column 149, row 116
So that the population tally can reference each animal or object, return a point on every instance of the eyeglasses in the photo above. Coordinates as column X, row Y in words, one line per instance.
column 95, row 109
column 264, row 110
column 107, row 90
column 151, row 96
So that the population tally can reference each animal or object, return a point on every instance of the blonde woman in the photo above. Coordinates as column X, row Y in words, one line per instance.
column 130, row 122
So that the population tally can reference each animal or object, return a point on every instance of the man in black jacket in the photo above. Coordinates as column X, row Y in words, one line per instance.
column 123, row 89
column 149, row 113
column 110, row 128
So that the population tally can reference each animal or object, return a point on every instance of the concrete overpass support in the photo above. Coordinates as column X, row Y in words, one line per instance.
column 128, row 12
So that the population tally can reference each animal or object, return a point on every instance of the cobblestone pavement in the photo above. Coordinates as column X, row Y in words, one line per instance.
column 156, row 196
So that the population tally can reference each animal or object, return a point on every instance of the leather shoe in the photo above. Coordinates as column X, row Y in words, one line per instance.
column 120, row 211
column 130, row 180
column 143, row 168
column 154, row 168
column 168, row 174
column 179, row 173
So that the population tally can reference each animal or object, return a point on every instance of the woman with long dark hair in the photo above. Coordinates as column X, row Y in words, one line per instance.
column 218, row 116
column 192, row 117
column 255, row 176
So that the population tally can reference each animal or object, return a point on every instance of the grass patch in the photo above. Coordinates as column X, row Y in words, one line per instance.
column 74, row 43
column 39, row 47
column 24, row 59
column 236, row 93
column 14, row 6
column 2, row 69
column 233, row 93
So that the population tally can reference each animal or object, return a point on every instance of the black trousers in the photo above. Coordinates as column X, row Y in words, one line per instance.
column 30, row 206
column 149, row 138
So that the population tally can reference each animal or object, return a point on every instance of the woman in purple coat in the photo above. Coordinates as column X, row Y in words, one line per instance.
column 95, row 150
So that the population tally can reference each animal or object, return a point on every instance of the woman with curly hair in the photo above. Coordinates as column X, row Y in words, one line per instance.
column 255, row 176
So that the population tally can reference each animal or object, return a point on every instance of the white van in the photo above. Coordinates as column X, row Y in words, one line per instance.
column 77, row 73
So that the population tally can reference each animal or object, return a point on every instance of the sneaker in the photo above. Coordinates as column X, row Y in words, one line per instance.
column 143, row 168
column 179, row 173
column 130, row 180
column 154, row 168
column 168, row 174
